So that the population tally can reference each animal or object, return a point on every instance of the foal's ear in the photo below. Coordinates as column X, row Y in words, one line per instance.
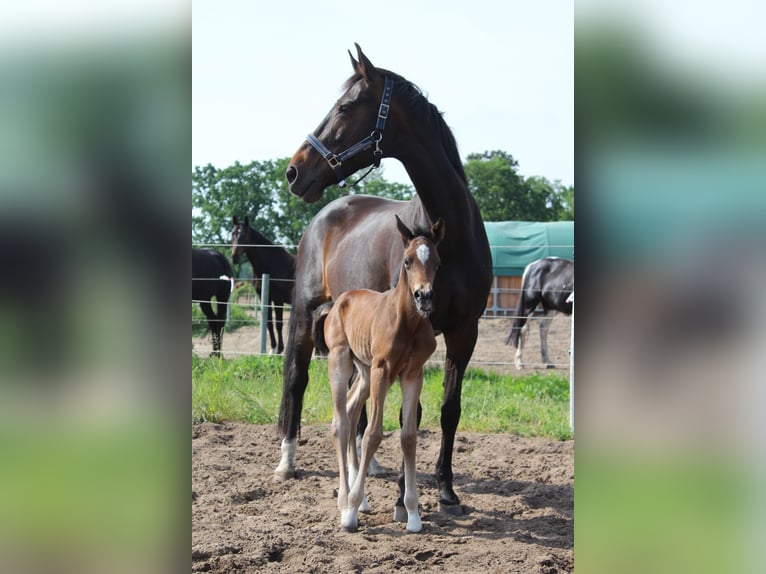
column 363, row 67
column 404, row 231
column 437, row 231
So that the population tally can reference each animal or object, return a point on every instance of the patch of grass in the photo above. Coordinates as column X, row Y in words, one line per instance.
column 249, row 389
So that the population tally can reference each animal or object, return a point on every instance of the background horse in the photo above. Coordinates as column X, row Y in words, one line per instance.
column 350, row 244
column 212, row 277
column 385, row 335
column 547, row 282
column 265, row 257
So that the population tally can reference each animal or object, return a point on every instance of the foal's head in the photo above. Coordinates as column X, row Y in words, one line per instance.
column 239, row 237
column 420, row 262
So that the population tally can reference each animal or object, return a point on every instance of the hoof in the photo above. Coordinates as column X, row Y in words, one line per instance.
column 349, row 522
column 414, row 525
column 451, row 509
column 283, row 475
column 400, row 514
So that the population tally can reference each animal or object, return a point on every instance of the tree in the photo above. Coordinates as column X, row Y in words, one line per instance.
column 503, row 194
column 259, row 189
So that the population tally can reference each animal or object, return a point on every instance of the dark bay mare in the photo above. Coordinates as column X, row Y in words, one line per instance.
column 265, row 257
column 386, row 336
column 547, row 282
column 212, row 277
column 351, row 243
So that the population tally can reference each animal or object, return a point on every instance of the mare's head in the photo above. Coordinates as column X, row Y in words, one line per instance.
column 420, row 262
column 240, row 235
column 356, row 133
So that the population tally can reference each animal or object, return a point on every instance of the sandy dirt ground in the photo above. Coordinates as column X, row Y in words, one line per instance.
column 517, row 494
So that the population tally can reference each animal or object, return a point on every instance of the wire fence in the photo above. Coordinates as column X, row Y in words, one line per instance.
column 495, row 326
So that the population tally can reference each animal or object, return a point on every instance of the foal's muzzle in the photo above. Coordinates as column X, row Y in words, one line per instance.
column 424, row 301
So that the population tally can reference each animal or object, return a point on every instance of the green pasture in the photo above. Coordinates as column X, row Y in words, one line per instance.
column 249, row 388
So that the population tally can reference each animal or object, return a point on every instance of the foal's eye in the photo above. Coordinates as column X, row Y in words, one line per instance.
column 407, row 263
column 342, row 109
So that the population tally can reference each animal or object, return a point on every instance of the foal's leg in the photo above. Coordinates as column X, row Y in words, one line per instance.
column 379, row 384
column 357, row 396
column 545, row 325
column 339, row 366
column 411, row 387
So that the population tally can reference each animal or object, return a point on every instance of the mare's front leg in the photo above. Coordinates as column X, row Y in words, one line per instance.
column 298, row 352
column 460, row 344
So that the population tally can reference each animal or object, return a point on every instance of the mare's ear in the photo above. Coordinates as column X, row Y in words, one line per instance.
column 364, row 67
column 247, row 221
column 234, row 220
column 437, row 231
column 404, row 231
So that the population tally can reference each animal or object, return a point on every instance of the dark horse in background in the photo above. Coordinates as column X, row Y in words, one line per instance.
column 547, row 282
column 212, row 277
column 351, row 243
column 265, row 257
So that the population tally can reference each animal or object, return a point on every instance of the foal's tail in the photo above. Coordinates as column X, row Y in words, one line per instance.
column 519, row 320
column 317, row 329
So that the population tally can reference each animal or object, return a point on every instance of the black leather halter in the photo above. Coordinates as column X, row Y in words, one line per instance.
column 375, row 137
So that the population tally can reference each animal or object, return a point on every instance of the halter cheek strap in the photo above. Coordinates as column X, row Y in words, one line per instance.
column 376, row 136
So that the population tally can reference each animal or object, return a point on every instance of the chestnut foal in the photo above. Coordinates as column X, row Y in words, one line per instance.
column 386, row 335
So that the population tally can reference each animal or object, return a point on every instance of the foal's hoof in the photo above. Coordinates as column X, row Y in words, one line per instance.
column 400, row 514
column 451, row 509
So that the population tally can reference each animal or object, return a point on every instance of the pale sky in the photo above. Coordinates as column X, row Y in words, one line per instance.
column 501, row 72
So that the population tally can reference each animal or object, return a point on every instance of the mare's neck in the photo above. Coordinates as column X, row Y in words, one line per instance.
column 440, row 189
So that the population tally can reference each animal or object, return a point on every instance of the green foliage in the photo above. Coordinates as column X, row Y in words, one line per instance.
column 259, row 190
column 249, row 389
column 505, row 195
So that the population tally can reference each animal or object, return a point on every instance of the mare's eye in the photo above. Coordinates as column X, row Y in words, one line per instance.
column 342, row 109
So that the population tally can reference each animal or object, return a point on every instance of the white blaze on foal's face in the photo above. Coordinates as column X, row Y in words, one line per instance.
column 423, row 253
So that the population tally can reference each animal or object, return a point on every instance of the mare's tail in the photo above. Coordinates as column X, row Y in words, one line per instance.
column 317, row 329
column 519, row 320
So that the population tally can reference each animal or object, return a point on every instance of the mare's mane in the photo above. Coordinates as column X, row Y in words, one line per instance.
column 427, row 112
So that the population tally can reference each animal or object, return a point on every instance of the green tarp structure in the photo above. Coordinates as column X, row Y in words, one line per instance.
column 516, row 244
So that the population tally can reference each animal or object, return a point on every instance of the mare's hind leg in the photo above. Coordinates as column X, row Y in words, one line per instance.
column 545, row 325
column 522, row 341
column 298, row 352
column 270, row 326
column 279, row 311
column 212, row 324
